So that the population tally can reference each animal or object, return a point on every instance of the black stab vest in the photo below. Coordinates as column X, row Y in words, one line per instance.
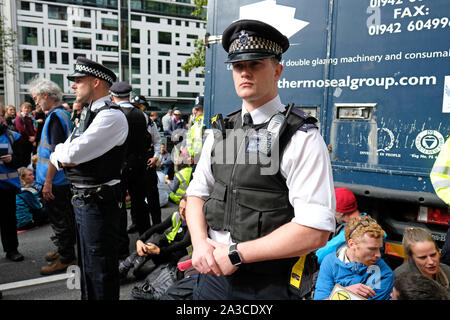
column 102, row 169
column 138, row 139
column 250, row 198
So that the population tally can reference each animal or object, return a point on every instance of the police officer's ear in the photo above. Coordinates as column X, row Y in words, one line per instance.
column 278, row 69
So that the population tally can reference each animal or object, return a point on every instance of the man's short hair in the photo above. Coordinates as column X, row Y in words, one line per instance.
column 357, row 227
column 415, row 286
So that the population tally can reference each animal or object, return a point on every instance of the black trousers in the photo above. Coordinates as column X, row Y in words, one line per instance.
column 62, row 221
column 243, row 285
column 152, row 194
column 8, row 221
column 133, row 180
column 97, row 216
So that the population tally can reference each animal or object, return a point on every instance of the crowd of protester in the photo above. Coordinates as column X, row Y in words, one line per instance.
column 352, row 258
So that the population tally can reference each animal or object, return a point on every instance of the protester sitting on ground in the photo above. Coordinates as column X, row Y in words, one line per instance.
column 415, row 286
column 165, row 162
column 357, row 265
column 166, row 242
column 346, row 209
column 29, row 210
column 422, row 256
column 181, row 179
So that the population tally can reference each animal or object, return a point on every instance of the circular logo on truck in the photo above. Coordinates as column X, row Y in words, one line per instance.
column 429, row 141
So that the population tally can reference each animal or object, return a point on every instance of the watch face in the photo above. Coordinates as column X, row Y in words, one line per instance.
column 234, row 258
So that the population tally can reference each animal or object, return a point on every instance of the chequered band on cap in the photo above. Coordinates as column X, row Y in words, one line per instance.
column 94, row 72
column 255, row 43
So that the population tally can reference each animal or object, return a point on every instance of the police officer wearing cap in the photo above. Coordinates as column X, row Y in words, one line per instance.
column 194, row 141
column 92, row 158
column 248, row 225
column 150, row 175
column 134, row 166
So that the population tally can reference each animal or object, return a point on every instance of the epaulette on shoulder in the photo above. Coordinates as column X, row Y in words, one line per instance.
column 233, row 113
column 111, row 104
column 309, row 120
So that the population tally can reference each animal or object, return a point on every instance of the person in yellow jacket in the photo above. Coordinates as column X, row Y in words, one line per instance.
column 194, row 141
column 440, row 173
column 440, row 179
column 180, row 183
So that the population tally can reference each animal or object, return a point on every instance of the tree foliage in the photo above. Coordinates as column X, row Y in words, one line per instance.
column 197, row 59
column 7, row 42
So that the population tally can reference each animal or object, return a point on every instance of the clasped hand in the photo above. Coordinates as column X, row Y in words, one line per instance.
column 211, row 257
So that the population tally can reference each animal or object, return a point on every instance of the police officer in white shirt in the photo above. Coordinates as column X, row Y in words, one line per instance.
column 248, row 222
column 92, row 158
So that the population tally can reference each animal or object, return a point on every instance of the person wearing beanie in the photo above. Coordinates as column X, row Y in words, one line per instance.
column 346, row 209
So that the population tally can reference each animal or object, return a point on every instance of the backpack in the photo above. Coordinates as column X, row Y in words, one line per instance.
column 156, row 283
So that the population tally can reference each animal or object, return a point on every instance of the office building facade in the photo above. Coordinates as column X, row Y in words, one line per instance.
column 143, row 42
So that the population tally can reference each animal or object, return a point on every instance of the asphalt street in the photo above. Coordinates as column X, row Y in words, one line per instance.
column 34, row 244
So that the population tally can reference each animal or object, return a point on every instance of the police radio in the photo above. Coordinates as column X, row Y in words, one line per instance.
column 276, row 127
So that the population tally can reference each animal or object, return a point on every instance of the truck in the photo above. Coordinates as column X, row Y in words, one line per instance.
column 376, row 76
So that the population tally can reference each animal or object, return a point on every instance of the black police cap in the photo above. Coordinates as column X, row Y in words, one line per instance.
column 253, row 40
column 199, row 102
column 120, row 89
column 85, row 67
column 140, row 100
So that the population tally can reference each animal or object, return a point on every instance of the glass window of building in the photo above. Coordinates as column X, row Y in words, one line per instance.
column 27, row 76
column 53, row 58
column 135, row 36
column 65, row 58
column 58, row 79
column 29, row 36
column 64, row 36
column 164, row 37
column 135, row 65
column 24, row 5
column 27, row 55
column 167, row 66
column 110, row 24
column 41, row 59
column 82, row 43
column 168, row 89
column 57, row 12
column 38, row 7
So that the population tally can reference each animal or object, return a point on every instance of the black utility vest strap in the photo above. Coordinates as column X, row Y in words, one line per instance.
column 102, row 169
column 245, row 201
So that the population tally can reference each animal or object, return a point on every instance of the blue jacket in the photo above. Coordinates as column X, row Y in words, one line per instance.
column 26, row 202
column 45, row 148
column 332, row 270
column 9, row 177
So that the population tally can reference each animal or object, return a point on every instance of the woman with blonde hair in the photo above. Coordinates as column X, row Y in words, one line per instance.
column 422, row 256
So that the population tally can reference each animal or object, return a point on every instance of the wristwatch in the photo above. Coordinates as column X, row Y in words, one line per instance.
column 234, row 255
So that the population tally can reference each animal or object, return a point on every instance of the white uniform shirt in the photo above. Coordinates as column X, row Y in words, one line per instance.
column 305, row 165
column 108, row 129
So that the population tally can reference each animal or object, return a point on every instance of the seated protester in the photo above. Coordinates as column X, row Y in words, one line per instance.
column 346, row 209
column 165, row 162
column 181, row 179
column 357, row 265
column 29, row 211
column 415, row 286
column 166, row 242
column 422, row 256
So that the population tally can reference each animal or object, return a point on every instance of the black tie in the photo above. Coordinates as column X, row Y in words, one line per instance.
column 248, row 121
